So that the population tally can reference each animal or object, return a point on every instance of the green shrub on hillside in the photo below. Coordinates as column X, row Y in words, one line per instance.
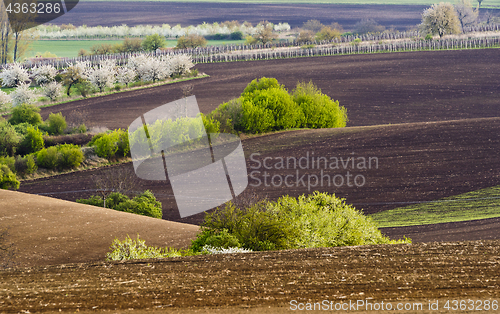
column 26, row 164
column 144, row 204
column 26, row 113
column 56, row 123
column 266, row 106
column 32, row 141
column 113, row 144
column 9, row 139
column 317, row 220
column 8, row 179
column 64, row 156
column 320, row 111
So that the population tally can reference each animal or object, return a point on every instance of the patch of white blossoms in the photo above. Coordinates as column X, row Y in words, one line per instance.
column 44, row 74
column 23, row 95
column 5, row 101
column 125, row 75
column 150, row 68
column 181, row 64
column 15, row 75
column 208, row 249
column 103, row 75
column 52, row 90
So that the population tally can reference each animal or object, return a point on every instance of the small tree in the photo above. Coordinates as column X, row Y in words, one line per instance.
column 265, row 33
column 9, row 139
column 305, row 36
column 440, row 19
column 313, row 25
column 125, row 75
column 15, row 75
column 8, row 179
column 44, row 74
column 466, row 14
column 153, row 42
column 23, row 95
column 26, row 114
column 367, row 26
column 74, row 74
column 52, row 90
column 327, row 33
column 191, row 41
column 116, row 179
column 132, row 45
column 180, row 64
column 104, row 75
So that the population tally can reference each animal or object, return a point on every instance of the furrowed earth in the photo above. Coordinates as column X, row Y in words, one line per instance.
column 430, row 118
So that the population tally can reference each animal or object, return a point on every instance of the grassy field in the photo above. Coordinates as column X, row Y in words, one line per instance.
column 70, row 48
column 485, row 4
column 474, row 205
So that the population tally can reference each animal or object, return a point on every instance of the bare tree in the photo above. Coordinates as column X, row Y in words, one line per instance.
column 466, row 14
column 115, row 179
column 5, row 36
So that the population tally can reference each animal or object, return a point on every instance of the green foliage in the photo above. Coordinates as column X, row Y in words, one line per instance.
column 69, row 156
column 317, row 220
column 22, row 128
column 429, row 37
column 64, row 156
column 26, row 164
column 26, row 113
column 219, row 239
column 8, row 179
column 153, row 42
column 57, row 123
column 327, row 33
column 32, row 142
column 191, row 41
column 320, row 111
column 440, row 19
column 211, row 125
column 144, row 204
column 9, row 162
column 265, row 106
column 109, row 145
column 9, row 139
column 137, row 249
column 268, row 107
column 47, row 158
column 228, row 116
column 84, row 88
column 238, row 35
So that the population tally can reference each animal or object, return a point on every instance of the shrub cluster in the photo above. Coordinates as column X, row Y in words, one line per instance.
column 111, row 145
column 266, row 106
column 63, row 156
column 144, row 204
column 317, row 220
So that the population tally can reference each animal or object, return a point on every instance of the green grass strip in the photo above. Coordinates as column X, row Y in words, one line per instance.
column 480, row 204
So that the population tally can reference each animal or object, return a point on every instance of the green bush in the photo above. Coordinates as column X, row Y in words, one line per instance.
column 9, row 162
column 69, row 156
column 8, row 179
column 222, row 239
column 57, row 123
column 25, row 165
column 320, row 111
column 228, row 116
column 26, row 113
column 270, row 109
column 48, row 158
column 109, row 145
column 9, row 139
column 64, row 156
column 238, row 35
column 144, row 204
column 153, row 42
column 317, row 220
column 22, row 128
column 32, row 142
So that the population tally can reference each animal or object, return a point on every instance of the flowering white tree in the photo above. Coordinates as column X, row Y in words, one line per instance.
column 74, row 74
column 150, row 68
column 44, row 74
column 52, row 90
column 103, row 75
column 5, row 101
column 14, row 75
column 125, row 75
column 23, row 95
column 180, row 64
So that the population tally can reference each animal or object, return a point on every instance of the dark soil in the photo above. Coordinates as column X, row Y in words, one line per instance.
column 265, row 282
column 173, row 13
